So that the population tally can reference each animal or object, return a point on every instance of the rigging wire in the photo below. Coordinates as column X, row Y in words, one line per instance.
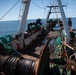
column 40, row 6
column 43, row 6
column 67, row 2
column 20, row 11
column 53, row 2
column 9, row 10
column 37, row 5
column 50, row 2
column 57, row 18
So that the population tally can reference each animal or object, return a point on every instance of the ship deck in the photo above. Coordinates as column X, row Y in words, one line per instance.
column 34, row 51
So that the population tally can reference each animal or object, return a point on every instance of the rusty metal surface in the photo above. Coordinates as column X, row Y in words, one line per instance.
column 34, row 61
column 53, row 34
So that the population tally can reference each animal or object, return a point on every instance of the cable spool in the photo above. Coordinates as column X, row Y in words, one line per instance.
column 44, row 61
column 3, row 60
column 32, row 68
column 6, row 67
column 10, row 65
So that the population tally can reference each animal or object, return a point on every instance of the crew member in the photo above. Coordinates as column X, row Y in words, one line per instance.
column 69, row 22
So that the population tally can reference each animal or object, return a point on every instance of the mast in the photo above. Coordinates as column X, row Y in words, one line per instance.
column 65, row 23
column 24, row 16
column 48, row 14
column 55, row 6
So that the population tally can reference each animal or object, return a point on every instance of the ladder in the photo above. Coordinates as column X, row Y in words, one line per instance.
column 22, row 24
column 22, row 6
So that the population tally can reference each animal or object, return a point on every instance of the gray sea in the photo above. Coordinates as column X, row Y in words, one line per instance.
column 11, row 27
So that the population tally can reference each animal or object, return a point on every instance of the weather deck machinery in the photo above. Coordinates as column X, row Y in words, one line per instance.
column 32, row 52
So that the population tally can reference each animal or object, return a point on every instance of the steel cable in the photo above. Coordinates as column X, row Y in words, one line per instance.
column 9, row 10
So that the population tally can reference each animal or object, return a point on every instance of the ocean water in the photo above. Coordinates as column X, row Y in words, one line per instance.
column 11, row 27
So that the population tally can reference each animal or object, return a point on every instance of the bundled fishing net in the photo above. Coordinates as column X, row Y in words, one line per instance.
column 58, row 45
